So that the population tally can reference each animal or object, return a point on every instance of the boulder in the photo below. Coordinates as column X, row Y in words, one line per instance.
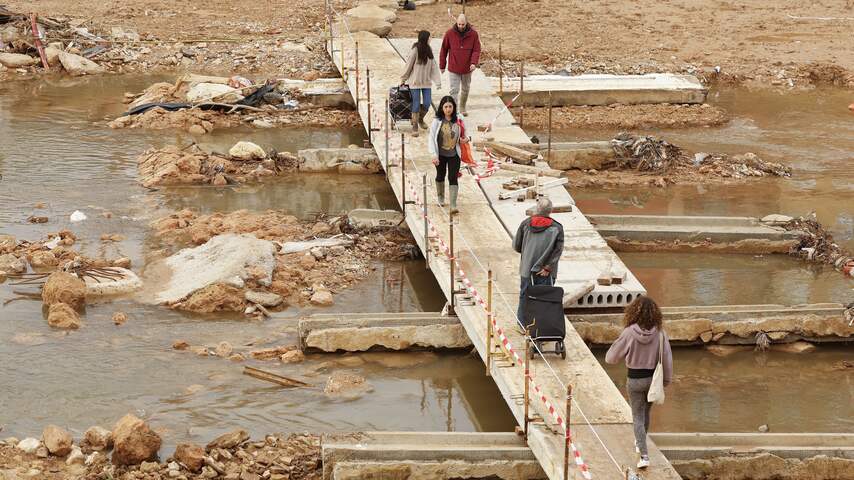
column 76, row 456
column 369, row 218
column 61, row 315
column 228, row 440
column 376, row 26
column 43, row 259
column 124, row 281
column 7, row 243
column 57, row 440
column 29, row 445
column 52, row 54
column 12, row 264
column 224, row 349
column 120, row 318
column 191, row 455
column 372, row 12
column 322, row 298
column 341, row 160
column 348, row 386
column 207, row 92
column 776, row 219
column 794, row 347
column 98, row 438
column 133, row 441
column 265, row 299
column 77, row 65
column 64, row 287
column 247, row 151
column 17, row 60
column 294, row 356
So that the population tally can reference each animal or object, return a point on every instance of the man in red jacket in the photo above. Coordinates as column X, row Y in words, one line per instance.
column 461, row 53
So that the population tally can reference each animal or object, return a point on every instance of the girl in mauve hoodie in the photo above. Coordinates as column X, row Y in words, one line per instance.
column 638, row 345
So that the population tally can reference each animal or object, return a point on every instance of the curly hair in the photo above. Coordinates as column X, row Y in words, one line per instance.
column 643, row 311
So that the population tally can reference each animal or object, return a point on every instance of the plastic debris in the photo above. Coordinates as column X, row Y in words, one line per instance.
column 77, row 216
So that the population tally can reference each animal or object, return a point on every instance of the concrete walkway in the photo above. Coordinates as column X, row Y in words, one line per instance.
column 482, row 239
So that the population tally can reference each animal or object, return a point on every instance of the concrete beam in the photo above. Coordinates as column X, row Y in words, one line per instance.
column 399, row 331
column 692, row 233
column 604, row 89
column 692, row 446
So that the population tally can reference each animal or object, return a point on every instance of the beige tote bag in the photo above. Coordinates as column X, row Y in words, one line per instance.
column 656, row 390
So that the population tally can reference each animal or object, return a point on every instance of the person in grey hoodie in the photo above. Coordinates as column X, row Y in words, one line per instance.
column 638, row 345
column 539, row 239
column 420, row 74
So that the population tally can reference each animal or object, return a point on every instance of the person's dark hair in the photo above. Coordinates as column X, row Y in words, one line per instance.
column 440, row 112
column 643, row 311
column 425, row 52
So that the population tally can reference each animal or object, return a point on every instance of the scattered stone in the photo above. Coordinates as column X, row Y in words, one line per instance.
column 369, row 218
column 17, row 60
column 763, row 429
column 259, row 123
column 347, row 386
column 43, row 259
column 224, row 349
column 265, row 299
column 42, row 452
column 76, row 456
column 12, row 264
column 120, row 318
column 237, row 357
column 200, row 351
column 98, row 438
column 776, row 220
column 322, row 298
column 57, row 440
column 376, row 26
column 269, row 353
column 11, row 441
column 61, row 315
column 191, row 455
column 149, row 467
column 134, row 441
column 294, row 356
column 36, row 219
column 372, row 12
column 206, row 92
column 123, row 262
column 95, row 458
column 247, row 151
column 77, row 65
column 794, row 347
column 28, row 445
column 196, row 129
column 64, row 287
column 180, row 345
column 727, row 350
column 228, row 440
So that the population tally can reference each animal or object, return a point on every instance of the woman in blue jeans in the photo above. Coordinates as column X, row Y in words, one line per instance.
column 420, row 74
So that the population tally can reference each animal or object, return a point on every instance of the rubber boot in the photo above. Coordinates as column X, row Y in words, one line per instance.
column 440, row 192
column 464, row 98
column 454, row 191
column 414, row 122
column 421, row 116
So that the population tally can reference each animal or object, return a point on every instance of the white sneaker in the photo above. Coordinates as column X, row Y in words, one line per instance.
column 643, row 462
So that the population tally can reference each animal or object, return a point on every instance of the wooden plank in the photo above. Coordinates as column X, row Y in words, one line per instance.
column 522, row 156
column 274, row 378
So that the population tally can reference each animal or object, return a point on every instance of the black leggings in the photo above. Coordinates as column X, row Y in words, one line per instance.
column 452, row 165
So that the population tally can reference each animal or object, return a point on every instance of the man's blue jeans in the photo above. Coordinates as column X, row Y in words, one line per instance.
column 523, row 298
column 421, row 96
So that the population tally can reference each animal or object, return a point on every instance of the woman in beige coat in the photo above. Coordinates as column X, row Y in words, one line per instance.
column 421, row 73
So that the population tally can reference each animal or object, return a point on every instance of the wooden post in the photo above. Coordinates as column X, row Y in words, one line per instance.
column 500, row 70
column 489, row 316
column 549, row 154
column 521, row 95
column 527, row 378
column 426, row 223
column 357, row 77
column 452, row 260
column 567, row 436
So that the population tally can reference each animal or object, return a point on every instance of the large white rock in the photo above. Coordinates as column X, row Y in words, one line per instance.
column 126, row 282
column 16, row 60
column 372, row 12
column 77, row 65
column 370, row 218
column 223, row 259
column 341, row 160
column 29, row 445
column 377, row 26
column 207, row 92
column 247, row 151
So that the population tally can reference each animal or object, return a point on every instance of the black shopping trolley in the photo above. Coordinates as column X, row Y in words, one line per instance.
column 544, row 317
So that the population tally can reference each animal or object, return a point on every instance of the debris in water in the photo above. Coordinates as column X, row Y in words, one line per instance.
column 274, row 378
column 77, row 216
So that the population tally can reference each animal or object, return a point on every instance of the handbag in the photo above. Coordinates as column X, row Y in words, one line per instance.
column 656, row 389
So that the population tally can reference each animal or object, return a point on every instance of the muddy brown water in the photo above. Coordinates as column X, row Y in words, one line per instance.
column 55, row 148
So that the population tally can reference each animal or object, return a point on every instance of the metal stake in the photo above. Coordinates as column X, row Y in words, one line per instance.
column 357, row 76
column 402, row 173
column 527, row 378
column 426, row 225
column 386, row 133
column 343, row 66
column 500, row 70
column 550, row 127
column 567, row 440
column 521, row 94
column 452, row 260
column 489, row 317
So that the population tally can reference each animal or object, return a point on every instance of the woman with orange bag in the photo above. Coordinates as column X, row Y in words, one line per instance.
column 447, row 133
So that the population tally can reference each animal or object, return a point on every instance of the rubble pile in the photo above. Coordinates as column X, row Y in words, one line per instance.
column 131, row 451
column 313, row 258
column 199, row 104
column 816, row 245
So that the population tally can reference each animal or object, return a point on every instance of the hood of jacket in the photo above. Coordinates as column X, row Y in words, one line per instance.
column 540, row 224
column 643, row 336
column 464, row 31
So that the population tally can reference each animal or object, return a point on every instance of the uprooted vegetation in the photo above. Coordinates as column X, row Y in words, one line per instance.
column 310, row 260
column 816, row 245
column 200, row 104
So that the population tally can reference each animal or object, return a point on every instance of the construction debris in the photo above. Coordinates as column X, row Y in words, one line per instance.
column 273, row 377
column 816, row 245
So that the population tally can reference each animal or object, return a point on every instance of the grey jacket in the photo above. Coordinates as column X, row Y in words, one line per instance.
column 540, row 243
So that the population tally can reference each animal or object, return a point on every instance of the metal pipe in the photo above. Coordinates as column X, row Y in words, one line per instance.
column 521, row 94
column 527, row 378
column 550, row 128
column 452, row 260
column 387, row 126
column 500, row 70
column 368, row 84
column 402, row 174
column 567, row 439
column 343, row 67
column 426, row 225
column 489, row 317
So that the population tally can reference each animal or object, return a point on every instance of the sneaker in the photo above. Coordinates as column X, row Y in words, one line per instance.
column 643, row 462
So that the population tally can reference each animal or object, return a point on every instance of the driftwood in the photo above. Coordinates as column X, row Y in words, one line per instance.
column 517, row 154
column 274, row 378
